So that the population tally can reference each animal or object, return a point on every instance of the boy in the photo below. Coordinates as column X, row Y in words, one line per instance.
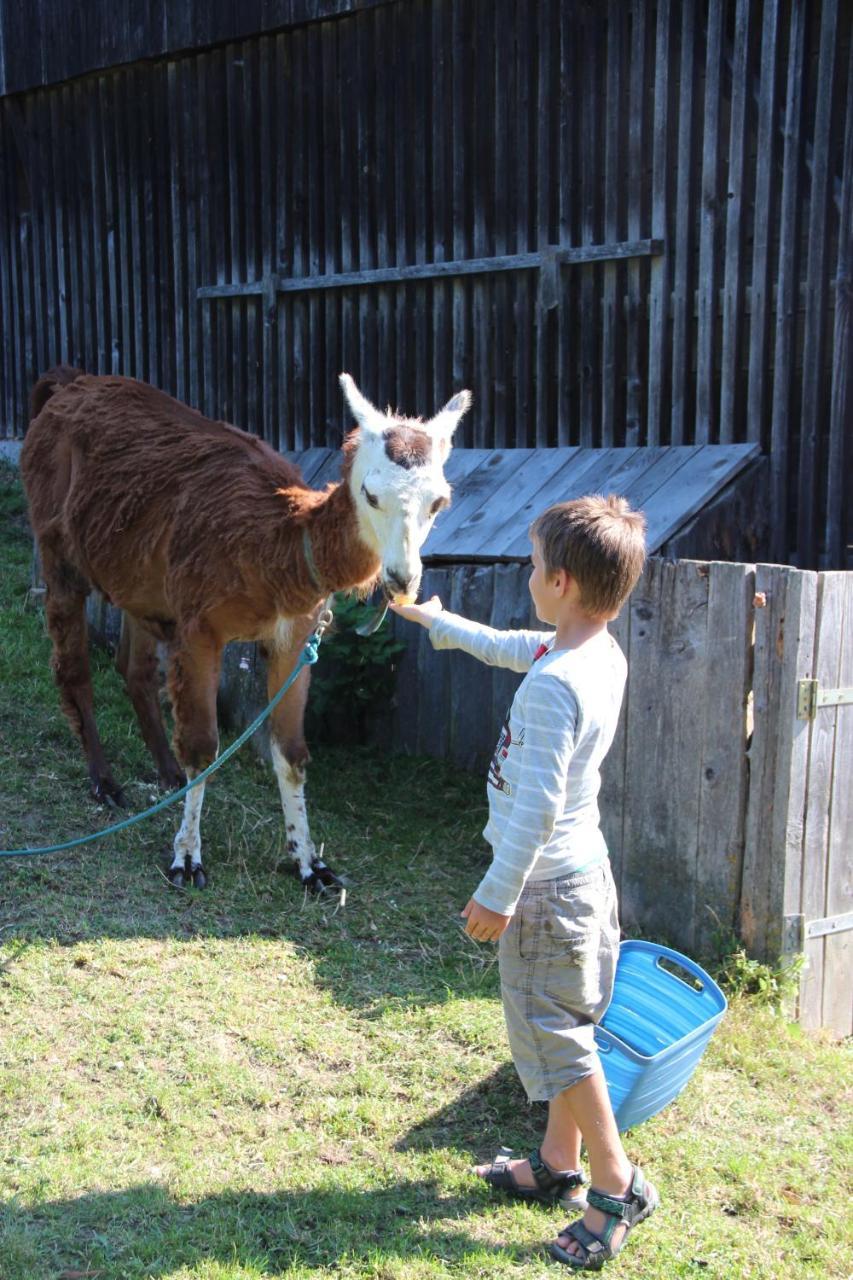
column 548, row 897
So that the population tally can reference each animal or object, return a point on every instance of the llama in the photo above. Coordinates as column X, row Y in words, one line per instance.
column 203, row 534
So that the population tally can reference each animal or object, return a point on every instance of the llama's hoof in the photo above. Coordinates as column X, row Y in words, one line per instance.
column 106, row 790
column 172, row 779
column 321, row 879
column 199, row 877
column 175, row 876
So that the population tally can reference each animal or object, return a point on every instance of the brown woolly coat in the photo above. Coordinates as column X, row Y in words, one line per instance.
column 178, row 519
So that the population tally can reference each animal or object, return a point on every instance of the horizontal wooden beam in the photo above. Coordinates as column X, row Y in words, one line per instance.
column 552, row 255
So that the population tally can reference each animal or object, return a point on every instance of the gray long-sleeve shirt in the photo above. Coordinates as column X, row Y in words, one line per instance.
column 545, row 773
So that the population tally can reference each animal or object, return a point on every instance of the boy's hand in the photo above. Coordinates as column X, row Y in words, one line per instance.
column 483, row 925
column 423, row 613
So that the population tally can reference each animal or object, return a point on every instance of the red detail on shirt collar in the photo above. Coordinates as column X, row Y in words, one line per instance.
column 540, row 652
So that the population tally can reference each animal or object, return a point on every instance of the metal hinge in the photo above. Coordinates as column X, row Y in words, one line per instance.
column 810, row 697
column 796, row 930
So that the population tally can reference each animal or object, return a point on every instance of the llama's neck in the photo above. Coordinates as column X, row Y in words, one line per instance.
column 341, row 557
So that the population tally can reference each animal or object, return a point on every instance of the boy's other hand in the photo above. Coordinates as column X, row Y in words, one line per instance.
column 423, row 613
column 483, row 925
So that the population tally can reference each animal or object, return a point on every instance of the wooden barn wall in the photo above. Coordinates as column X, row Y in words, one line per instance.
column 679, row 174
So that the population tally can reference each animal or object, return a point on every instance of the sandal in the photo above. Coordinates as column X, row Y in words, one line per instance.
column 550, row 1186
column 638, row 1204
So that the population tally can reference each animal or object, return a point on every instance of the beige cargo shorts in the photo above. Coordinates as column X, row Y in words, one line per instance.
column 557, row 961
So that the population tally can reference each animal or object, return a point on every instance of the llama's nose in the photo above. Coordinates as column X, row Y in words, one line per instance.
column 398, row 585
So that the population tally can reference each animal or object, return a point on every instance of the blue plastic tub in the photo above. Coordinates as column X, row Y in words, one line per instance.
column 655, row 1030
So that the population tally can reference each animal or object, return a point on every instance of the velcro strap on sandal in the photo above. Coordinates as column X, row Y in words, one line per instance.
column 607, row 1204
column 590, row 1243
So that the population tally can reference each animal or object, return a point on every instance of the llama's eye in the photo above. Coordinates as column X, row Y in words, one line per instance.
column 437, row 506
column 372, row 500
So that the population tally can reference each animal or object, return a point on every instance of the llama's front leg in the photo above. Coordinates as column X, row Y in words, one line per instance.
column 193, row 679
column 290, row 756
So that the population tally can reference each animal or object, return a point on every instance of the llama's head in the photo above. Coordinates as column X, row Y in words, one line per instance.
column 397, row 482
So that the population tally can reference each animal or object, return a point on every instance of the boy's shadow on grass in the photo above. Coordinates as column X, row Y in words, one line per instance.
column 491, row 1114
column 143, row 1232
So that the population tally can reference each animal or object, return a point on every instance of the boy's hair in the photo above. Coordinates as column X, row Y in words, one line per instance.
column 601, row 542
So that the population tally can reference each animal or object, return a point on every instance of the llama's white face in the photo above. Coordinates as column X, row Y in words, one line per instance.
column 397, row 483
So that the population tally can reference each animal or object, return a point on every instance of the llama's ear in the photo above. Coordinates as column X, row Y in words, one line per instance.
column 445, row 422
column 367, row 417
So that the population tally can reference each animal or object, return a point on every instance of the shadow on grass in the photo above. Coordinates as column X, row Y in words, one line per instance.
column 143, row 1232
column 492, row 1114
column 411, row 864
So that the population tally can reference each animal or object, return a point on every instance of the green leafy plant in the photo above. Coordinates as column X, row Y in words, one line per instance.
column 353, row 683
column 772, row 986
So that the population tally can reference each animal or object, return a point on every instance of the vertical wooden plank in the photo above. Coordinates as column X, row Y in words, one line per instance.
column 590, row 433
column 819, row 793
column 659, row 303
column 8, row 422
column 635, row 379
column 727, row 662
column 611, row 349
column 737, row 201
column 611, row 800
column 250, row 109
column 778, row 757
column 709, row 230
column 669, row 620
column 762, row 226
column 566, row 154
column 841, row 403
column 178, row 246
column 37, row 303
column 544, row 403
column 60, row 232
column 234, row 311
column 47, row 221
column 192, row 159
column 837, row 1010
column 441, row 194
column 268, row 154
column 459, row 80
column 684, row 248
column 206, row 307
column 814, row 378
column 125, row 282
column 787, row 289
column 283, row 246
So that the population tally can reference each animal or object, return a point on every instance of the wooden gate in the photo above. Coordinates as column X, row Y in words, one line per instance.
column 798, row 868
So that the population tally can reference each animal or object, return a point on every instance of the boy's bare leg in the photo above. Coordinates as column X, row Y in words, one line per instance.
column 561, row 1148
column 588, row 1105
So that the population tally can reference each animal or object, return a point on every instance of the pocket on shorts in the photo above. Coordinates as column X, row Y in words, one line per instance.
column 569, row 921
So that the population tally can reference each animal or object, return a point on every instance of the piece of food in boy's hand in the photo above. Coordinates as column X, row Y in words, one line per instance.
column 403, row 599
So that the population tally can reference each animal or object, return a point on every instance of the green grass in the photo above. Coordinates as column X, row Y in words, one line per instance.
column 243, row 1084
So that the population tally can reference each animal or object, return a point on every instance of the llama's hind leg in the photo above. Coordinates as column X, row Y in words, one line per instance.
column 290, row 756
column 137, row 662
column 65, row 611
column 193, row 680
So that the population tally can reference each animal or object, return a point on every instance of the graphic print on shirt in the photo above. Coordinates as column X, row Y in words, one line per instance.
column 505, row 741
column 500, row 754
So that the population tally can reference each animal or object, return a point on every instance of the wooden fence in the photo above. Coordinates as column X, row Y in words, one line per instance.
column 621, row 222
column 722, row 808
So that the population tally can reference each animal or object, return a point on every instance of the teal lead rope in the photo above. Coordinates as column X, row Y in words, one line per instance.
column 308, row 656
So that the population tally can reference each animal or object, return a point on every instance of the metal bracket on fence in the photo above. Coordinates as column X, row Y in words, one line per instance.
column 796, row 930
column 810, row 697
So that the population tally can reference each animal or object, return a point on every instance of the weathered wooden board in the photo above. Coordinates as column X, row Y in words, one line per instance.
column 669, row 619
column 837, row 1003
column 778, row 757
